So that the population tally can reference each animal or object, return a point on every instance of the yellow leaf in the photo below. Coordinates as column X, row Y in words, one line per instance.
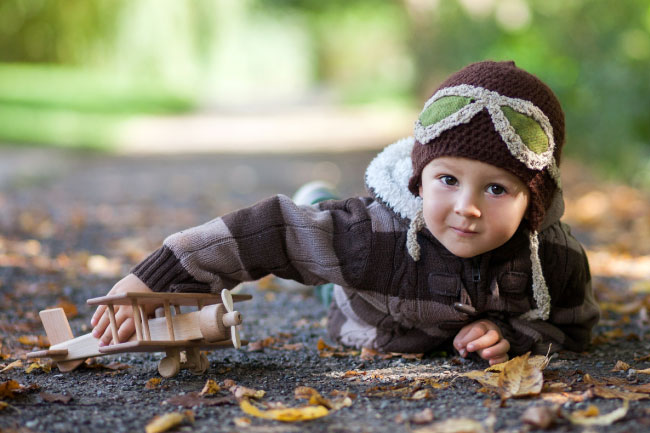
column 421, row 394
column 210, row 388
column 485, row 378
column 3, row 405
column 291, row 414
column 15, row 364
column 44, row 367
column 591, row 411
column 168, row 421
column 602, row 420
column 8, row 388
column 153, row 383
column 454, row 425
column 519, row 378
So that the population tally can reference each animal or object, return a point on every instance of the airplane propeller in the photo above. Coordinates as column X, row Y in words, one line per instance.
column 226, row 298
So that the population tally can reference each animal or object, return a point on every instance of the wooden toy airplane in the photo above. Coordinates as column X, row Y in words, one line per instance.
column 206, row 328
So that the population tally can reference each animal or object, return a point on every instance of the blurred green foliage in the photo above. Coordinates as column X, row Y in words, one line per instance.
column 100, row 61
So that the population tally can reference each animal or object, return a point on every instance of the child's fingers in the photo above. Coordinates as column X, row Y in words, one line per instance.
column 101, row 326
column 496, row 351
column 98, row 314
column 490, row 338
column 126, row 330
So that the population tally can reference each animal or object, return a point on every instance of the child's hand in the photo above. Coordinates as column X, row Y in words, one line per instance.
column 123, row 313
column 484, row 338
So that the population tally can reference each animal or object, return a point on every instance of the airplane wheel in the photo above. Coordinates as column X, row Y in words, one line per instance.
column 169, row 366
column 204, row 364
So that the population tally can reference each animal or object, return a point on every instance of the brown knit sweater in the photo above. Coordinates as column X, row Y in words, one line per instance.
column 385, row 299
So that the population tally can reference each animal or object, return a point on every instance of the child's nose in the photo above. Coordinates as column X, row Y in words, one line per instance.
column 467, row 206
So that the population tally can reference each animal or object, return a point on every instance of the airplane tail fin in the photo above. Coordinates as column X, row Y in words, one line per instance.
column 58, row 331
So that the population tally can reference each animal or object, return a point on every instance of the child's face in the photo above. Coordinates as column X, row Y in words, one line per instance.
column 471, row 207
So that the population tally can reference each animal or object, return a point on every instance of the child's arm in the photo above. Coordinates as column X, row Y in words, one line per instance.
column 484, row 338
column 123, row 313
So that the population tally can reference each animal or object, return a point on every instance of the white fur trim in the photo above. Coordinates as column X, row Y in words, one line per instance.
column 493, row 101
column 412, row 245
column 388, row 175
column 540, row 290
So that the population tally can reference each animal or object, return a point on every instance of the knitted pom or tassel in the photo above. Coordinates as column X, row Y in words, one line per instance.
column 412, row 244
column 540, row 290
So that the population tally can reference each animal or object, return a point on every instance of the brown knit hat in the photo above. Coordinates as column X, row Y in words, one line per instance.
column 496, row 113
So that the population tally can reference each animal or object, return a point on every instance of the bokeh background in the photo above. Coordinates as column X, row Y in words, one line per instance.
column 296, row 75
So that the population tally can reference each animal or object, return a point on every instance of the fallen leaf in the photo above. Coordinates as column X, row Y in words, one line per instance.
column 644, row 371
column 15, row 364
column 590, row 412
column 193, row 399
column 605, row 392
column 210, row 388
column 454, row 425
column 68, row 307
column 621, row 366
column 163, row 423
column 34, row 340
column 3, row 405
column 55, row 398
column 540, row 416
column 423, row 417
column 45, row 367
column 9, row 388
column 152, row 383
column 519, row 379
column 304, row 413
column 242, row 392
column 602, row 420
column 242, row 421
column 294, row 347
column 421, row 394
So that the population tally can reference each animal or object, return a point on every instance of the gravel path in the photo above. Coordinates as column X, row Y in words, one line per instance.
column 70, row 224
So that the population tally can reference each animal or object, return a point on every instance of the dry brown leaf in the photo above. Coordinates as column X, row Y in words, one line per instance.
column 604, row 392
column 485, row 378
column 15, row 364
column 602, row 420
column 55, row 398
column 241, row 391
column 193, row 399
column 9, row 388
column 423, row 417
column 163, row 423
column 421, row 394
column 540, row 416
column 454, row 425
column 3, row 405
column 210, row 388
column 560, row 398
column 621, row 366
column 242, row 421
column 291, row 414
column 315, row 398
column 68, row 307
column 519, row 378
column 644, row 371
column 294, row 347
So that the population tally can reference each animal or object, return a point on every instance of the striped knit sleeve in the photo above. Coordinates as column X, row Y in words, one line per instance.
column 274, row 236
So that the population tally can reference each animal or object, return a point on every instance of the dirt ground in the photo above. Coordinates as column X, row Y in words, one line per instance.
column 71, row 224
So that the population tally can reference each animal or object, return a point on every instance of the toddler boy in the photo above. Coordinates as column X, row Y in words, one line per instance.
column 460, row 240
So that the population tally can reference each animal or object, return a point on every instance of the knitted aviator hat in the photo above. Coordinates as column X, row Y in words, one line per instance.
column 496, row 113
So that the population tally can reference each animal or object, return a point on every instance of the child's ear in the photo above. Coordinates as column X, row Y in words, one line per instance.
column 420, row 190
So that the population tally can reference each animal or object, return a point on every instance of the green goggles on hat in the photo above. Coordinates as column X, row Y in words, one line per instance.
column 523, row 127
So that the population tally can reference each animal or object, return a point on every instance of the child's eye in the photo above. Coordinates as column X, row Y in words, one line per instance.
column 449, row 180
column 496, row 189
